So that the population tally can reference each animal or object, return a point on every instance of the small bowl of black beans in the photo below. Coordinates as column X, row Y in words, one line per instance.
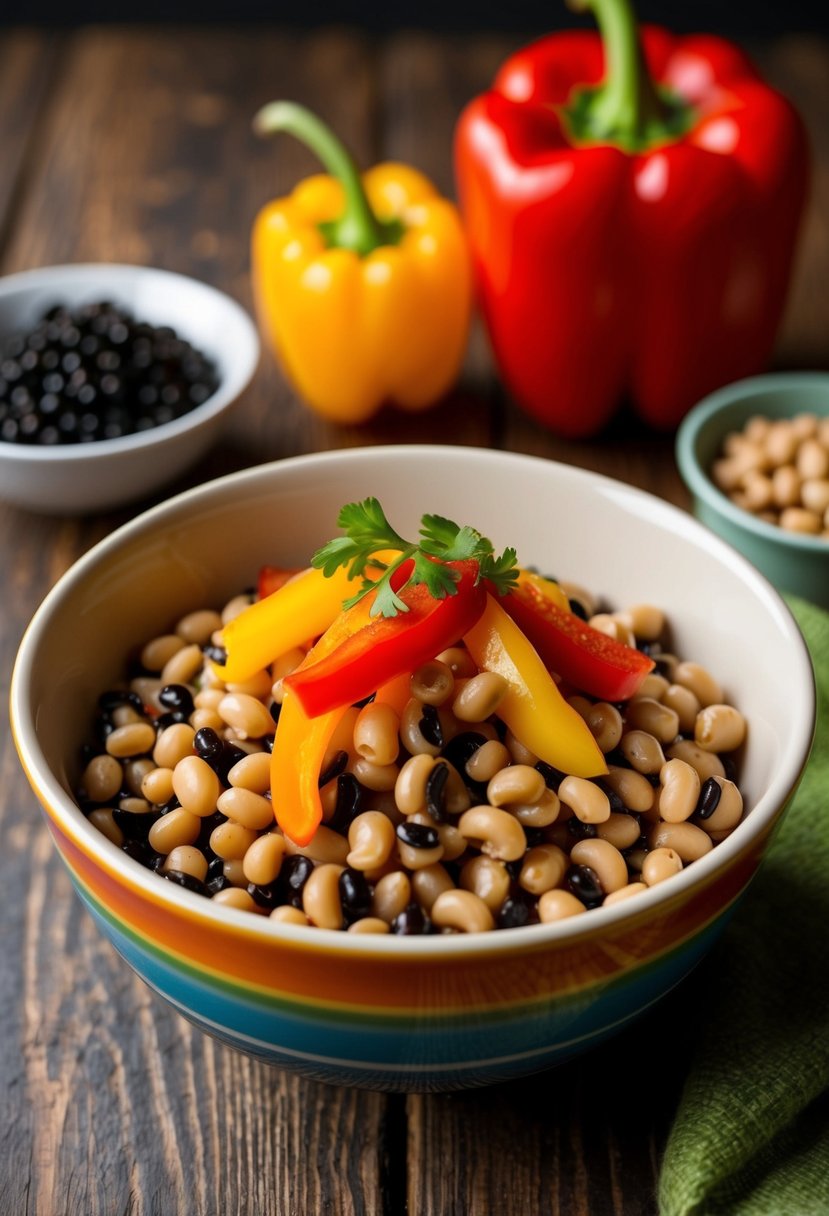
column 113, row 380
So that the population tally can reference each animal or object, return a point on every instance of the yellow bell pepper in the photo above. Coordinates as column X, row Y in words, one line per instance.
column 362, row 285
column 533, row 708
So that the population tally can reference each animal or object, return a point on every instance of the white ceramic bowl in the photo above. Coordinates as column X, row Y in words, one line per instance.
column 411, row 1012
column 76, row 478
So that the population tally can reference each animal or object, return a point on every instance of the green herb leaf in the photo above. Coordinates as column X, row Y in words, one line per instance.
column 368, row 532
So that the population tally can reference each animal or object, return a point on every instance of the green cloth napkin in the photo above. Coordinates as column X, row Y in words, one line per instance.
column 751, row 1135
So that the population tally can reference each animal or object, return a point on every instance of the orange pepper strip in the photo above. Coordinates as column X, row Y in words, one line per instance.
column 533, row 708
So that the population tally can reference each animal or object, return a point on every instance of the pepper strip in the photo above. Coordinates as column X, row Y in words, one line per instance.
column 533, row 708
column 389, row 646
column 590, row 660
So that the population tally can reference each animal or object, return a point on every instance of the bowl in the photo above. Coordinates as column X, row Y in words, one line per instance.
column 95, row 476
column 410, row 1013
column 792, row 562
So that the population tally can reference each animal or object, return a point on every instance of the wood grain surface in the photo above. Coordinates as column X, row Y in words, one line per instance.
column 135, row 145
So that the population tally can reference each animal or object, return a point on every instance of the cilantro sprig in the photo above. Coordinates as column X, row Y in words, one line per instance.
column 368, row 532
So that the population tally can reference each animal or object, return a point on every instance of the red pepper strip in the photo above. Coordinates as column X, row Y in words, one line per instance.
column 271, row 578
column 589, row 660
column 390, row 646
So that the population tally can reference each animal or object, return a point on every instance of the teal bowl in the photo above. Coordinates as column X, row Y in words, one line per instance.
column 791, row 562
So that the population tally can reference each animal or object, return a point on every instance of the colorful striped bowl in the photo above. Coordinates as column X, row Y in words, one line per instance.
column 410, row 1013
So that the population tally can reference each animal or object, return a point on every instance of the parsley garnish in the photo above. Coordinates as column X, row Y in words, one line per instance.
column 367, row 531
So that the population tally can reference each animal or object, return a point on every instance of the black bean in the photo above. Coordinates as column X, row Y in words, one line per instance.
column 584, row 884
column 418, row 835
column 188, row 881
column 462, row 748
column 577, row 608
column 412, row 921
column 216, row 654
column 514, row 912
column 266, row 896
column 116, row 697
column 174, row 718
column 293, row 876
column 206, row 828
column 332, row 770
column 709, row 798
column 553, row 777
column 138, row 850
column 579, row 830
column 436, row 792
column 216, row 884
column 135, row 826
column 355, row 894
column 208, row 744
column 349, row 802
column 177, row 697
column 430, row 727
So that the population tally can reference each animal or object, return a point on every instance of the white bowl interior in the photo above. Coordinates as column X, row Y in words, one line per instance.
column 622, row 544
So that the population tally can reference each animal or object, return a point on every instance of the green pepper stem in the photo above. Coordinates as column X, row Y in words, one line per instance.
column 626, row 105
column 358, row 228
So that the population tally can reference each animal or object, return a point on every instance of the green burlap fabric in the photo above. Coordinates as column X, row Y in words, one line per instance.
column 751, row 1134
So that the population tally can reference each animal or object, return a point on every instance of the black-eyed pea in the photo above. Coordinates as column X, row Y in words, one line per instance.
column 719, row 728
column 433, row 683
column 201, row 719
column 392, row 893
column 623, row 893
column 371, row 840
column 727, row 812
column 780, row 444
column 176, row 827
column 376, row 733
column 103, row 820
column 519, row 752
column 812, row 460
column 187, row 859
column 285, row 914
column 410, row 787
column 156, row 653
column 183, row 666
column 636, row 859
column 329, row 797
column 642, row 751
column 613, row 626
column 134, row 739
column 196, row 786
column 707, row 764
column 517, row 783
column 258, row 685
column 418, row 842
column 489, row 759
column 378, row 777
column 134, row 806
column 605, row 724
column 645, row 621
column 252, row 773
column 659, row 864
column 488, row 879
column 430, row 882
column 815, row 495
column 558, row 905
column 581, row 595
column 147, row 688
column 654, row 685
column 634, row 789
column 543, row 868
column 235, row 606
column 208, row 698
column 480, row 697
column 236, row 897
column 685, row 839
column 135, row 771
column 325, row 847
column 369, row 924
column 758, row 491
column 495, row 832
column 684, row 704
column 582, row 705
column 384, row 802
column 448, row 794
column 122, row 715
column 231, row 841
column 539, row 814
column 586, row 800
column 679, row 791
column 243, row 806
column 411, row 734
column 249, row 718
column 233, row 871
column 462, row 911
column 198, row 627
column 174, row 743
column 452, row 841
column 321, row 900
column 653, row 717
column 558, row 833
column 263, row 860
column 459, row 661
column 285, row 665
column 700, row 681
column 101, row 779
column 604, row 859
column 622, row 831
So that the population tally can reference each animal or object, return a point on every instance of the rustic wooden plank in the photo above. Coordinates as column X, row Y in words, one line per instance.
column 111, row 1102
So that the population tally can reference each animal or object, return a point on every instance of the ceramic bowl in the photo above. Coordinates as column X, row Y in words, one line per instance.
column 793, row 562
column 407, row 1012
column 76, row 478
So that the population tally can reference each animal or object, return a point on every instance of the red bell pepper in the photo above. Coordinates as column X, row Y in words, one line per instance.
column 590, row 660
column 387, row 647
column 272, row 578
column 632, row 204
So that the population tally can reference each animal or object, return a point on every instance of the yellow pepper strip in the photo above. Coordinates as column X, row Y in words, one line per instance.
column 533, row 708
column 545, row 587
column 303, row 608
column 362, row 285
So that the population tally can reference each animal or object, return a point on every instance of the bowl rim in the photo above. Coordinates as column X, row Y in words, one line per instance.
column 74, row 823
column 700, row 483
column 247, row 353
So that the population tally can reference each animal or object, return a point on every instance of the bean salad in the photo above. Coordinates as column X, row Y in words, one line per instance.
column 436, row 818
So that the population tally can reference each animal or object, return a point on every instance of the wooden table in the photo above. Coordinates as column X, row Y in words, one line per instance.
column 135, row 145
